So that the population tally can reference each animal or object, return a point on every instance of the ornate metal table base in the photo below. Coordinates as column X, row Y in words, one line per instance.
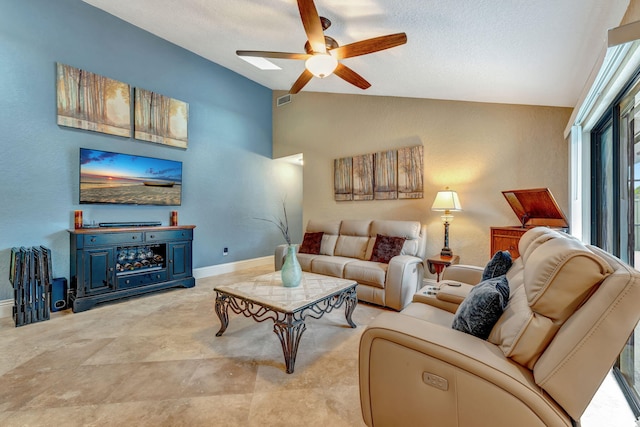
column 287, row 325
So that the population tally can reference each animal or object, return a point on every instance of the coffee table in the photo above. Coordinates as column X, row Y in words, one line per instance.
column 264, row 297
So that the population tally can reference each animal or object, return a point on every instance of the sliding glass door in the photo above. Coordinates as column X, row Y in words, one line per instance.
column 615, row 214
column 605, row 208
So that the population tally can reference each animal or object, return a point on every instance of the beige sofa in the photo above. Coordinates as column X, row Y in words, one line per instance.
column 571, row 310
column 345, row 252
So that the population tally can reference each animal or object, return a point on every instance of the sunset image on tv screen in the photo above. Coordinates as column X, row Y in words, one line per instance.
column 107, row 177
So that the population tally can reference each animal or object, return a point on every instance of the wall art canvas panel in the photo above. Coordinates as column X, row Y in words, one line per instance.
column 410, row 172
column 386, row 175
column 363, row 177
column 342, row 178
column 160, row 119
column 92, row 102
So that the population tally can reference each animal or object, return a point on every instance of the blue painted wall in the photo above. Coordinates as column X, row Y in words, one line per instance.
column 228, row 175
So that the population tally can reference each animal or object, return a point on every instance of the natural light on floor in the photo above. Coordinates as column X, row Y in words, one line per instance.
column 608, row 408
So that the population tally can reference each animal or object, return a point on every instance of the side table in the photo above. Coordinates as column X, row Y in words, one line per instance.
column 437, row 264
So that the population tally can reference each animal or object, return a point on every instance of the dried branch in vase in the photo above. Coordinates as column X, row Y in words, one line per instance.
column 283, row 226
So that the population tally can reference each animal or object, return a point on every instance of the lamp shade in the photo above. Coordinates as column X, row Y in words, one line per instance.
column 446, row 201
column 321, row 64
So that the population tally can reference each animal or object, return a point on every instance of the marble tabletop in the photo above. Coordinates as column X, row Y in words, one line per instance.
column 268, row 290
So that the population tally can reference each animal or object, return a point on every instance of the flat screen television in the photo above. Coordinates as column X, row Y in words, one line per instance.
column 115, row 178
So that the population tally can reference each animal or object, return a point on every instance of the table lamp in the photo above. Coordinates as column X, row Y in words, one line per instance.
column 446, row 201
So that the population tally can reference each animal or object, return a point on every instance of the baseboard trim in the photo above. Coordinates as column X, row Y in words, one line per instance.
column 231, row 267
column 6, row 308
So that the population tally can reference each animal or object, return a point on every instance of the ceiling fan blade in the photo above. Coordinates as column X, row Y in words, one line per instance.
column 312, row 25
column 369, row 46
column 278, row 55
column 350, row 76
column 302, row 80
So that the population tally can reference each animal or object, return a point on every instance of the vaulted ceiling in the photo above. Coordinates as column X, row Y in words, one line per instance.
column 507, row 51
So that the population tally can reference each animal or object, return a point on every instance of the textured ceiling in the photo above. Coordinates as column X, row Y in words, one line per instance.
column 507, row 51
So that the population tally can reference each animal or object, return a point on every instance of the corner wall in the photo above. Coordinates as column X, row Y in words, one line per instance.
column 476, row 149
column 228, row 173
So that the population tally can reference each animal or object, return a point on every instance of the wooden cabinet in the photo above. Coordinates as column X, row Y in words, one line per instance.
column 98, row 267
column 533, row 207
column 179, row 260
column 506, row 239
column 438, row 263
column 113, row 263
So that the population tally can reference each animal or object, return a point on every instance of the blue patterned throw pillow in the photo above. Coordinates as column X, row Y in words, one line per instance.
column 482, row 308
column 499, row 265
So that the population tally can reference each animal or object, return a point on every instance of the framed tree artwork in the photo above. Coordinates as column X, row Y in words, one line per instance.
column 342, row 178
column 410, row 172
column 386, row 175
column 363, row 177
column 160, row 119
column 92, row 102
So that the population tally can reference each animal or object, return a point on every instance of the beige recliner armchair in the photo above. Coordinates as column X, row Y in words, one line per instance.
column 570, row 312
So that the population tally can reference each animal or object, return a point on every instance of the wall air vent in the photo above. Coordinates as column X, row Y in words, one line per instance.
column 284, row 99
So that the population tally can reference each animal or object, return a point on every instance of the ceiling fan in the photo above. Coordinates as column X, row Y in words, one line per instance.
column 323, row 52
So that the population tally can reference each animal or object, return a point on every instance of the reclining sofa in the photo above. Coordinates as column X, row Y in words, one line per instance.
column 571, row 309
column 346, row 251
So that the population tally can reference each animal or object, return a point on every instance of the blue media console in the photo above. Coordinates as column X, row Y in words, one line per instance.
column 112, row 263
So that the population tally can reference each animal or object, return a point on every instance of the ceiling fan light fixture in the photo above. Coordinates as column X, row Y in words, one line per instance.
column 323, row 53
column 321, row 64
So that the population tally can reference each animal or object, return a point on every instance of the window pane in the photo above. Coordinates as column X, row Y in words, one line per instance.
column 606, row 198
column 629, row 361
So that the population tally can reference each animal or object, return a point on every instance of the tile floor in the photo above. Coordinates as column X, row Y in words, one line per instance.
column 155, row 361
